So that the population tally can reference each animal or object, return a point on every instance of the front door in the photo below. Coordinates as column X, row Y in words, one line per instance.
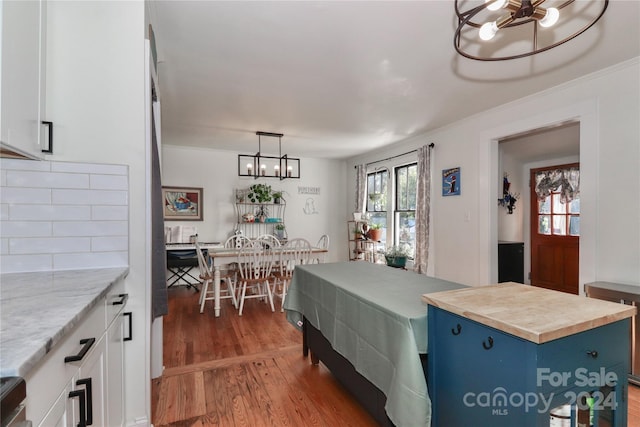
column 555, row 232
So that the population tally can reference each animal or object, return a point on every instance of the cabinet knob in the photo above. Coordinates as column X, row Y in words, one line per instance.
column 593, row 353
column 457, row 330
column 488, row 346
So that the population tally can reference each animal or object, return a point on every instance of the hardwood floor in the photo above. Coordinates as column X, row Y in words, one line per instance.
column 249, row 371
column 243, row 371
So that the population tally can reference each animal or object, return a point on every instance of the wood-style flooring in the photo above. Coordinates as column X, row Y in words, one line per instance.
column 249, row 371
column 243, row 371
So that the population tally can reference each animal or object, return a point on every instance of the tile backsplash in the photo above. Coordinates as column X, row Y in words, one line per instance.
column 63, row 216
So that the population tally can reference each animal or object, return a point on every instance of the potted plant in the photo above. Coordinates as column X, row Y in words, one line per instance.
column 277, row 197
column 279, row 231
column 375, row 232
column 260, row 193
column 396, row 255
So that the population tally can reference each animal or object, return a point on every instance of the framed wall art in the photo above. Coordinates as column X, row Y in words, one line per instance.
column 182, row 203
column 451, row 182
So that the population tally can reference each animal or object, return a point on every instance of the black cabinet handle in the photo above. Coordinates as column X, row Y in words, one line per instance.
column 457, row 330
column 49, row 148
column 488, row 346
column 129, row 314
column 123, row 299
column 83, row 410
column 86, row 345
column 86, row 382
column 593, row 353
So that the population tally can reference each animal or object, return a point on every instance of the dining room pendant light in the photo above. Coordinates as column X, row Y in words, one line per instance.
column 498, row 30
column 260, row 165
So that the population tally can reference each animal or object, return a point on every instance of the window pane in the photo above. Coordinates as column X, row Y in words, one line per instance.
column 544, row 224
column 574, row 225
column 559, row 225
column 377, row 191
column 406, row 223
column 557, row 206
column 544, row 206
column 574, row 206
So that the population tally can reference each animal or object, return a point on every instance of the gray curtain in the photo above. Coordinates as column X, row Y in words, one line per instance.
column 567, row 180
column 361, row 188
column 423, row 201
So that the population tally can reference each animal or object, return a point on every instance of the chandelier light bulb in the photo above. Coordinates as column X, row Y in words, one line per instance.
column 488, row 30
column 550, row 18
column 499, row 4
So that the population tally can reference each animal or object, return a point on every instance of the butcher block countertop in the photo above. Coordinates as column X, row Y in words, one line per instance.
column 535, row 314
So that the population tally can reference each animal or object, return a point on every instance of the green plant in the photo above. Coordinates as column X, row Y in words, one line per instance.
column 397, row 251
column 375, row 226
column 277, row 196
column 279, row 226
column 260, row 193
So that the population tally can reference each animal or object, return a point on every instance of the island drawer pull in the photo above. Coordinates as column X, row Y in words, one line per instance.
column 83, row 410
column 488, row 346
column 457, row 330
column 593, row 353
column 86, row 345
column 123, row 299
column 86, row 382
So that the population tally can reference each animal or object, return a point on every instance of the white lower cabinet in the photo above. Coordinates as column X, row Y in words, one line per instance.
column 81, row 381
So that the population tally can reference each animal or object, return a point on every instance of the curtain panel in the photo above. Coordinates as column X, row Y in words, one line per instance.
column 567, row 180
column 423, row 202
column 361, row 188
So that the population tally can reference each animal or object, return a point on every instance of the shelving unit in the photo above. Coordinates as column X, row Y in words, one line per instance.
column 360, row 249
column 254, row 227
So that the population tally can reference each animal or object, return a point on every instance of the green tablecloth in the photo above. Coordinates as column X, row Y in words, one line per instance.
column 374, row 317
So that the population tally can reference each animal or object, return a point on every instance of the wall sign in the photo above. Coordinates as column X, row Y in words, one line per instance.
column 451, row 182
column 308, row 190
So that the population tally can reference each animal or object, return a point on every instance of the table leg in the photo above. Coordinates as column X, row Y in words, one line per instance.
column 216, row 290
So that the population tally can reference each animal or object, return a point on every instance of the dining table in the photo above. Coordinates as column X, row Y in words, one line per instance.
column 223, row 256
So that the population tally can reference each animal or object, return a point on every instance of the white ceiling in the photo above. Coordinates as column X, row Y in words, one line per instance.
column 339, row 78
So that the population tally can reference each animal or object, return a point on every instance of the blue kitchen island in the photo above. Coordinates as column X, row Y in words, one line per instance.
column 516, row 355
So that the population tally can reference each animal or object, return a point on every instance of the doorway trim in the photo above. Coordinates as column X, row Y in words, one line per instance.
column 586, row 113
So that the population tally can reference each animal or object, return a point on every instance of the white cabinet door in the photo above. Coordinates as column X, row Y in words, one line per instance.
column 61, row 412
column 115, row 377
column 92, row 377
column 22, row 74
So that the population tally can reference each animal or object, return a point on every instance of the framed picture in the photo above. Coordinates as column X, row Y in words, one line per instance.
column 182, row 203
column 451, row 182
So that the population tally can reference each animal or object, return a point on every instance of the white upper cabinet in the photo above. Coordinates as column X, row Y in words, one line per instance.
column 22, row 35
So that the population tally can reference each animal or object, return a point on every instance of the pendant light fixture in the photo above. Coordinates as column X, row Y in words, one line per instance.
column 498, row 30
column 263, row 166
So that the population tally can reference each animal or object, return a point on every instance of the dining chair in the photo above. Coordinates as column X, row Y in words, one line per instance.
column 293, row 253
column 323, row 243
column 207, row 292
column 254, row 267
column 269, row 240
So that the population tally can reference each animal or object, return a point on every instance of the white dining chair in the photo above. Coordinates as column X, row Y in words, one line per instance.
column 323, row 243
column 269, row 240
column 295, row 252
column 207, row 292
column 254, row 267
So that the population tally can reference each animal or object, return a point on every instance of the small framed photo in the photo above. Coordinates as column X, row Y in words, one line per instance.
column 451, row 182
column 182, row 203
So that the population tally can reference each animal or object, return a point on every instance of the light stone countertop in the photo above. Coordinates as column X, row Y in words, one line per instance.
column 38, row 309
column 535, row 314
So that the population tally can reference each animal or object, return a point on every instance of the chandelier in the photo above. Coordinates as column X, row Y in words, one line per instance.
column 498, row 30
column 262, row 166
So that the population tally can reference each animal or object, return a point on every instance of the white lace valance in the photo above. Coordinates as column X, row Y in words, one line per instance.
column 567, row 181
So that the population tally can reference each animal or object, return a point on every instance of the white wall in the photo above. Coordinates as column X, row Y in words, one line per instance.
column 607, row 106
column 511, row 226
column 96, row 99
column 216, row 171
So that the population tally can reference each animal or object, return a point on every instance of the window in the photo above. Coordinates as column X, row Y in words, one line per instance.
column 377, row 200
column 405, row 206
column 560, row 219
